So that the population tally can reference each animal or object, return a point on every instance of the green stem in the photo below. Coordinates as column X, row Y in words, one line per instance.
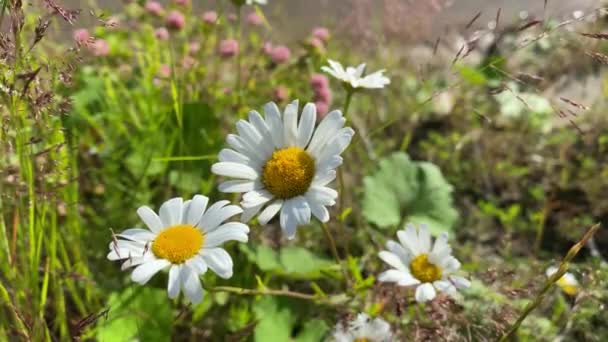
column 334, row 251
column 266, row 292
column 349, row 97
column 239, row 35
column 563, row 267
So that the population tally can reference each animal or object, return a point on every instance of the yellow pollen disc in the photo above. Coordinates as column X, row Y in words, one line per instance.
column 178, row 243
column 289, row 172
column 567, row 287
column 362, row 339
column 423, row 270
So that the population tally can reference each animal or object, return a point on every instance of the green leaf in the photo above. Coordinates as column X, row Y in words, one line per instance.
column 471, row 75
column 300, row 262
column 288, row 261
column 277, row 322
column 140, row 313
column 416, row 191
column 274, row 320
column 313, row 331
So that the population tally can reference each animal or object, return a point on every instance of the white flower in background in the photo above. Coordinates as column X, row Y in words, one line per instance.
column 259, row 2
column 183, row 238
column 567, row 282
column 285, row 166
column 416, row 262
column 363, row 329
column 353, row 76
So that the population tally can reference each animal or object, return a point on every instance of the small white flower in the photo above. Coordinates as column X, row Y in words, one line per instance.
column 184, row 238
column 363, row 329
column 567, row 282
column 259, row 2
column 282, row 165
column 353, row 76
column 416, row 262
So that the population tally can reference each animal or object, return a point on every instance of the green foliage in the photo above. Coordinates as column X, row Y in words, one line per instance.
column 137, row 313
column 403, row 190
column 292, row 262
column 277, row 322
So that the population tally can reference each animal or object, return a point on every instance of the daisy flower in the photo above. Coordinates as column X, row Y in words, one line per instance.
column 283, row 165
column 363, row 328
column 184, row 238
column 567, row 282
column 353, row 76
column 259, row 2
column 416, row 262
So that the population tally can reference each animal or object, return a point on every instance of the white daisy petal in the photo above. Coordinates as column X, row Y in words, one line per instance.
column 398, row 250
column 211, row 220
column 174, row 283
column 290, row 124
column 307, row 125
column 409, row 239
column 256, row 156
column 260, row 125
column 149, row 217
column 230, row 169
column 322, row 195
column 231, row 231
column 228, row 155
column 144, row 272
column 337, row 144
column 322, row 179
column 326, row 130
column 392, row 276
column 392, row 260
column 274, row 123
column 191, row 284
column 219, row 261
column 195, row 209
column 449, row 264
column 270, row 211
column 137, row 234
column 445, row 286
column 237, row 186
column 197, row 264
column 460, row 282
column 171, row 212
column 441, row 248
column 424, row 238
column 317, row 209
column 425, row 293
column 250, row 212
column 353, row 76
column 295, row 212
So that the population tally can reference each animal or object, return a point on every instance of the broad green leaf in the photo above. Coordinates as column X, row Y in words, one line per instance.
column 288, row 261
column 313, row 331
column 298, row 261
column 137, row 314
column 471, row 75
column 275, row 320
column 405, row 189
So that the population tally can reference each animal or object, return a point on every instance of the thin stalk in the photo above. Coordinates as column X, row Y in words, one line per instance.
column 349, row 97
column 334, row 251
column 265, row 292
column 239, row 35
column 563, row 267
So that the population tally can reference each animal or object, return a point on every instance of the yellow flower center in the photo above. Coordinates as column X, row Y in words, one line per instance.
column 178, row 243
column 569, row 288
column 289, row 172
column 362, row 339
column 423, row 270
